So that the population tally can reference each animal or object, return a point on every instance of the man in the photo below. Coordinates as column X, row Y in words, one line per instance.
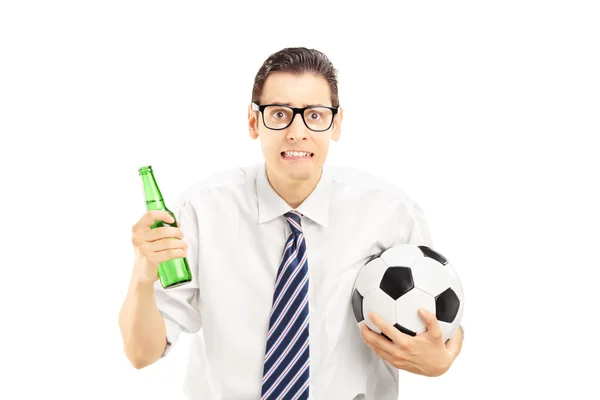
column 274, row 250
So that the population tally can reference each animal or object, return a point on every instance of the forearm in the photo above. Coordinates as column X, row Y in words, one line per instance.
column 142, row 326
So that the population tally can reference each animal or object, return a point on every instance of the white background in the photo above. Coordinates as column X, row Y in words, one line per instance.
column 485, row 113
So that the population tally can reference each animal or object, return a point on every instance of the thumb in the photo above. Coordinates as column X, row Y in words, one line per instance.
column 454, row 344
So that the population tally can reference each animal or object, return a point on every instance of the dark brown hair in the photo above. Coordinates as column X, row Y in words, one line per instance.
column 297, row 60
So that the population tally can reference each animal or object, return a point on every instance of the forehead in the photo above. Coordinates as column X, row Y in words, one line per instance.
column 296, row 90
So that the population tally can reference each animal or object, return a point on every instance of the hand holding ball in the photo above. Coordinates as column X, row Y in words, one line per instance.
column 404, row 278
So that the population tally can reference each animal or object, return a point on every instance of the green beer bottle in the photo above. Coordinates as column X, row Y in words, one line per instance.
column 174, row 272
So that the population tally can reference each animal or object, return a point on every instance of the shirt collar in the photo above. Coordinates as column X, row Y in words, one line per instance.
column 315, row 207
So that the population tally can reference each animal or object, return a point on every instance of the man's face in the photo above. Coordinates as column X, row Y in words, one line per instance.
column 296, row 91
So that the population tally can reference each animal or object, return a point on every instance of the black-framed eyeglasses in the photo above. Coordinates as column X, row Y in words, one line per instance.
column 279, row 116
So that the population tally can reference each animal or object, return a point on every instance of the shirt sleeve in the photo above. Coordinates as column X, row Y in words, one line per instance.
column 179, row 306
column 419, row 233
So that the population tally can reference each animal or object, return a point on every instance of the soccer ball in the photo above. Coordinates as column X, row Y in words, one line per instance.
column 400, row 280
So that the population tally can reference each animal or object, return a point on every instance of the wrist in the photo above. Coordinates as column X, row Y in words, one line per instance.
column 138, row 284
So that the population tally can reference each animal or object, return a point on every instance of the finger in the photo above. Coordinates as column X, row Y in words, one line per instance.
column 151, row 217
column 166, row 255
column 162, row 233
column 380, row 352
column 396, row 362
column 433, row 326
column 383, row 354
column 378, row 341
column 395, row 335
column 166, row 244
column 141, row 237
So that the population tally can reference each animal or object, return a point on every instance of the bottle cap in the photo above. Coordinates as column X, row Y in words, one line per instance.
column 144, row 169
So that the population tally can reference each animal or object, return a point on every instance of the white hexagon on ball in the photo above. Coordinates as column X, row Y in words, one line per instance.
column 401, row 256
column 370, row 276
column 430, row 276
column 407, row 307
column 382, row 304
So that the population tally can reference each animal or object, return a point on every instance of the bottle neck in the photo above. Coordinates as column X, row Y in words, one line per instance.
column 152, row 194
column 155, row 205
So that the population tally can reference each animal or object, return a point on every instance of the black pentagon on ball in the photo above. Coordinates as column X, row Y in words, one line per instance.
column 405, row 330
column 429, row 252
column 401, row 329
column 357, row 306
column 397, row 281
column 446, row 306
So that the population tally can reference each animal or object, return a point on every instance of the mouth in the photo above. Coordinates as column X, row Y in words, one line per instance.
column 296, row 155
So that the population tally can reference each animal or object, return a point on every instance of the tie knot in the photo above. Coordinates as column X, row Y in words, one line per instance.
column 293, row 219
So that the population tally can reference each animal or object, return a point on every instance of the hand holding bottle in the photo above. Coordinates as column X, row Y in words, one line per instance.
column 154, row 246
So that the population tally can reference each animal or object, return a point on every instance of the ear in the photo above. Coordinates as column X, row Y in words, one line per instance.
column 337, row 125
column 252, row 122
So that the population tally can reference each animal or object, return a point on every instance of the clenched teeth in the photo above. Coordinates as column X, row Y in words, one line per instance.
column 297, row 154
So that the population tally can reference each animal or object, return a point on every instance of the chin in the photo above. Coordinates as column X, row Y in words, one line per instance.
column 296, row 172
column 299, row 175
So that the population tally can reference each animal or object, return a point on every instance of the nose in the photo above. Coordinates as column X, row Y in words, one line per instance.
column 297, row 130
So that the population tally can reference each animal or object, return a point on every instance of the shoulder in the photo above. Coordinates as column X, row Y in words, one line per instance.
column 366, row 183
column 223, row 181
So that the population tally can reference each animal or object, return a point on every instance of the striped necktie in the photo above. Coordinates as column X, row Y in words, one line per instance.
column 286, row 368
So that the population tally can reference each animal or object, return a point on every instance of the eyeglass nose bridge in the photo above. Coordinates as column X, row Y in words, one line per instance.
column 299, row 111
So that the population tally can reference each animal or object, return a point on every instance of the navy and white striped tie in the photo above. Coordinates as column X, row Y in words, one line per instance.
column 286, row 369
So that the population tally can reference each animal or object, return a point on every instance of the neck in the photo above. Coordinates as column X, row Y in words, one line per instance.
column 293, row 192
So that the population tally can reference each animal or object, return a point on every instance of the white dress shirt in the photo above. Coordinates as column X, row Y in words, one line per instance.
column 234, row 225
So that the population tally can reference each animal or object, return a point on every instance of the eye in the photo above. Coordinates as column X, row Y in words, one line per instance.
column 314, row 116
column 279, row 113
